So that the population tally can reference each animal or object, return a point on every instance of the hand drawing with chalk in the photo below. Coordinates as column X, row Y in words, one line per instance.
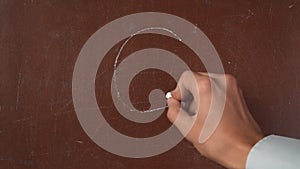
column 195, row 107
column 90, row 58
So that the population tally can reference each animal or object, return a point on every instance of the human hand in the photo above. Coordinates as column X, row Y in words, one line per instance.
column 237, row 131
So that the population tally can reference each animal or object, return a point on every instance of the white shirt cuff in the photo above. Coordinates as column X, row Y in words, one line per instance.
column 275, row 152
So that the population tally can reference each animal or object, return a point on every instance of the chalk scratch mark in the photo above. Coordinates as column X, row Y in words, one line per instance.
column 293, row 4
column 250, row 14
column 19, row 87
column 61, row 110
column 296, row 83
column 271, row 14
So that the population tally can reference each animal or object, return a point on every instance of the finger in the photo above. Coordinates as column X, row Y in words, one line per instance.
column 179, row 117
column 212, row 75
column 179, row 93
column 186, row 85
column 173, row 109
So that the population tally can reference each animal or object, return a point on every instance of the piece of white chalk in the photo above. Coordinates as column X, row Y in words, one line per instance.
column 168, row 95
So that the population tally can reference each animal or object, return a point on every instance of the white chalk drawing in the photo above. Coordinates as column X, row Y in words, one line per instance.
column 93, row 52
column 119, row 53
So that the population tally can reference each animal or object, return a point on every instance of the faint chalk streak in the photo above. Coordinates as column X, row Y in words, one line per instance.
column 292, row 5
column 18, row 88
column 79, row 141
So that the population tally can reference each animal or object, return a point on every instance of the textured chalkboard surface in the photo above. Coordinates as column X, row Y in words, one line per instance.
column 40, row 40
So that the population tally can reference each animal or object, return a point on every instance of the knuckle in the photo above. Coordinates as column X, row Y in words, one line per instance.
column 186, row 74
column 204, row 84
column 230, row 80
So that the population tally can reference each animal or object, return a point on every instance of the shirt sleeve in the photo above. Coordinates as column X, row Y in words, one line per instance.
column 275, row 152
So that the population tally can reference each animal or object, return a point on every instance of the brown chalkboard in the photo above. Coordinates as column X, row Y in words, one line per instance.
column 40, row 41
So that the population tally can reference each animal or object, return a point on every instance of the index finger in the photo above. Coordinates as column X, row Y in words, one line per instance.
column 187, row 85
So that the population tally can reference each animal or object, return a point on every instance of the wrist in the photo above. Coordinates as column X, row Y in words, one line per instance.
column 237, row 154
column 238, row 157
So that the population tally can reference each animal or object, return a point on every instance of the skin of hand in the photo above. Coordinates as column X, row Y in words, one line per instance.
column 237, row 131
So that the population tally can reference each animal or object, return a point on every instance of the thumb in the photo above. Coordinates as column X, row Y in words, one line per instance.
column 179, row 117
